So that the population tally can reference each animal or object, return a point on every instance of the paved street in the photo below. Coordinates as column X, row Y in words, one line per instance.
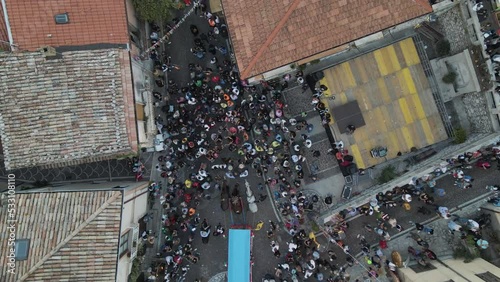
column 441, row 242
column 213, row 259
column 453, row 199
column 214, row 255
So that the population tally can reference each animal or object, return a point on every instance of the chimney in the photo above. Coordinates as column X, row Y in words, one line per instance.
column 48, row 51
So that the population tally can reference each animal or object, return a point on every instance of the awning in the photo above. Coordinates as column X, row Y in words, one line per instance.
column 215, row 6
column 239, row 255
column 141, row 130
column 139, row 108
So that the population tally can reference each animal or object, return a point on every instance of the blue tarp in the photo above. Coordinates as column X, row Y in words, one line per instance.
column 239, row 255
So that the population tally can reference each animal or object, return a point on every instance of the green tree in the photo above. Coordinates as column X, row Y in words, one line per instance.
column 155, row 10
column 467, row 250
column 387, row 174
column 443, row 48
column 135, row 271
column 460, row 135
column 450, row 77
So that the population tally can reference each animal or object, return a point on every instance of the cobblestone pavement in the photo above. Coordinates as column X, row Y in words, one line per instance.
column 441, row 242
column 327, row 164
column 89, row 171
column 478, row 114
column 454, row 29
column 220, row 277
column 453, row 199
column 298, row 101
column 213, row 256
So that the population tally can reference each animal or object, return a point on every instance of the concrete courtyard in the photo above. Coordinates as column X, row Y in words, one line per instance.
column 395, row 100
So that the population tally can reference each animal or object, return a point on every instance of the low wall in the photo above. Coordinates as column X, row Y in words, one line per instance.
column 474, row 143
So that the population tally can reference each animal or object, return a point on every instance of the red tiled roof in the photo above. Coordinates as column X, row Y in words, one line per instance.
column 3, row 29
column 90, row 22
column 267, row 34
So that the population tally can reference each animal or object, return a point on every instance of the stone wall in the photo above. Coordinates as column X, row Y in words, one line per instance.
column 478, row 114
column 454, row 29
column 473, row 143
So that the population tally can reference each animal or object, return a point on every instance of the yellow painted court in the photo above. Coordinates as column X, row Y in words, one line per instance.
column 395, row 100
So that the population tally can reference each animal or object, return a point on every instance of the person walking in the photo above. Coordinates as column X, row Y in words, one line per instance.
column 426, row 229
column 443, row 212
column 275, row 248
column 194, row 30
column 453, row 226
column 205, row 231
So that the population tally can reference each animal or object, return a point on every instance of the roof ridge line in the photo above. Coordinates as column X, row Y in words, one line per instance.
column 70, row 236
column 424, row 4
column 270, row 38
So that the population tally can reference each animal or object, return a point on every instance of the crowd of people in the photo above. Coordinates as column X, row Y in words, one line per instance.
column 385, row 207
column 218, row 127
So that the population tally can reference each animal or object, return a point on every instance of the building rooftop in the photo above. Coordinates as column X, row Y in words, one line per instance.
column 268, row 34
column 4, row 38
column 73, row 107
column 73, row 236
column 33, row 23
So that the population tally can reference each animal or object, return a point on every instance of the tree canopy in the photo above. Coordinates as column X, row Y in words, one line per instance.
column 155, row 10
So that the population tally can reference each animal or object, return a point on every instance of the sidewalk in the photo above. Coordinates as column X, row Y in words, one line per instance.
column 441, row 242
column 460, row 202
column 209, row 265
column 474, row 143
column 333, row 183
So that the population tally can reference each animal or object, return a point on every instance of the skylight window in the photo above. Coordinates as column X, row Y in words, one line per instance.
column 62, row 18
column 22, row 249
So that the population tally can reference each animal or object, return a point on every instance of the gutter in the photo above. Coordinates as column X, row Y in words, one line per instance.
column 136, row 196
column 119, row 232
column 7, row 24
column 422, row 168
column 453, row 270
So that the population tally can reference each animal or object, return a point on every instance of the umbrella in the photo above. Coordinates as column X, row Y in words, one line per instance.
column 441, row 192
column 483, row 244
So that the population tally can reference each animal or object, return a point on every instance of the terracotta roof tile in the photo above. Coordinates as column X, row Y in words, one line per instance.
column 3, row 29
column 314, row 26
column 73, row 236
column 59, row 110
column 90, row 22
